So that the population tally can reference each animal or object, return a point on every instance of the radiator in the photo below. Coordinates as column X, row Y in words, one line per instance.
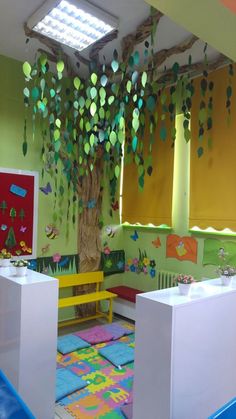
column 166, row 279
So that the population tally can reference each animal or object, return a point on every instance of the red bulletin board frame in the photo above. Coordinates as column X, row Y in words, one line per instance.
column 19, row 192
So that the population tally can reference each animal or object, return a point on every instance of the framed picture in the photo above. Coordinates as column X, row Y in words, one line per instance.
column 18, row 212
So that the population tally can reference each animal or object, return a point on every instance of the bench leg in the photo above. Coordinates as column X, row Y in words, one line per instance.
column 110, row 312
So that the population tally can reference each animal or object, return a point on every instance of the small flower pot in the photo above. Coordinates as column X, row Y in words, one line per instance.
column 184, row 289
column 20, row 270
column 226, row 280
column 4, row 263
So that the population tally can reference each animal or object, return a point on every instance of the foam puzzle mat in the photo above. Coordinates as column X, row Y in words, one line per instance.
column 109, row 387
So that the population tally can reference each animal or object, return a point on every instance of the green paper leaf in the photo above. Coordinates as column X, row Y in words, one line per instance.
column 24, row 148
column 134, row 144
column 117, row 171
column 87, row 148
column 57, row 145
column 93, row 108
column 144, row 79
column 114, row 66
column 56, row 134
column 200, row 151
column 60, row 66
column 58, row 123
column 111, row 100
column 128, row 86
column 77, row 83
column 113, row 137
column 26, row 92
column 94, row 78
column 93, row 92
column 104, row 80
column 27, row 69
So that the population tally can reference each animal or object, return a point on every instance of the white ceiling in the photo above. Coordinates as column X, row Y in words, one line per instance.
column 13, row 14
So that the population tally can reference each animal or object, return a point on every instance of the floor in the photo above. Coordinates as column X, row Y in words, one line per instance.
column 60, row 412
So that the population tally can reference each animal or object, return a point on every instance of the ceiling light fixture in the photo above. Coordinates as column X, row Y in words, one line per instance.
column 76, row 23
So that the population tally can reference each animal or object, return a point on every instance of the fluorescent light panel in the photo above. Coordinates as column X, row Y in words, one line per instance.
column 77, row 24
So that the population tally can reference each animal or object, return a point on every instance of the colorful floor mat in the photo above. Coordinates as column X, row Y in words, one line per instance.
column 109, row 387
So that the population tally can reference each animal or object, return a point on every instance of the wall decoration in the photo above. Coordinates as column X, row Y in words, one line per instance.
column 141, row 264
column 46, row 189
column 134, row 236
column 157, row 242
column 19, row 202
column 51, row 231
column 212, row 248
column 181, row 248
column 45, row 248
column 68, row 264
column 230, row 4
column 113, row 262
column 110, row 231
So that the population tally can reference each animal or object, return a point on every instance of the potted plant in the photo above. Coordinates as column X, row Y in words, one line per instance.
column 225, row 270
column 5, row 257
column 226, row 273
column 184, row 283
column 21, row 267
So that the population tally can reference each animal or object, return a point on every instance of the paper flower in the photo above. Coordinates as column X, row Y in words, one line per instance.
column 56, row 257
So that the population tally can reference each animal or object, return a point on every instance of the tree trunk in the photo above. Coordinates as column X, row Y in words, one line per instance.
column 89, row 233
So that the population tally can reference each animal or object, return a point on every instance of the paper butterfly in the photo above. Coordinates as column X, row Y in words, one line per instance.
column 115, row 206
column 23, row 229
column 134, row 236
column 46, row 189
column 157, row 243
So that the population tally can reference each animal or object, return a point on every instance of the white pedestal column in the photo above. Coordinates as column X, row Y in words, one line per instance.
column 185, row 364
column 28, row 337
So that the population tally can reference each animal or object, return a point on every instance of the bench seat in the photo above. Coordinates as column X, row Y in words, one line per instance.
column 85, row 278
column 124, row 304
column 85, row 298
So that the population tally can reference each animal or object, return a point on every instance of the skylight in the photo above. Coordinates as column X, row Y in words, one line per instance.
column 75, row 23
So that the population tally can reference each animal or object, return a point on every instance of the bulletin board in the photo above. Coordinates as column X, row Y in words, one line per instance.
column 18, row 212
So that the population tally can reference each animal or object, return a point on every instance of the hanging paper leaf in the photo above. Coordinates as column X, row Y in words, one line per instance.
column 163, row 133
column 104, row 80
column 136, row 58
column 117, row 171
column 35, row 93
column 56, row 134
column 77, row 83
column 93, row 108
column 27, row 69
column 24, row 148
column 60, row 66
column 111, row 100
column 113, row 137
column 114, row 66
column 144, row 79
column 58, row 123
column 57, row 145
column 151, row 103
column 94, row 78
column 200, row 151
column 26, row 92
column 93, row 92
column 87, row 148
column 134, row 77
column 134, row 144
column 128, row 86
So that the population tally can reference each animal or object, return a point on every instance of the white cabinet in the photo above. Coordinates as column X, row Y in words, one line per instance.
column 185, row 355
column 28, row 337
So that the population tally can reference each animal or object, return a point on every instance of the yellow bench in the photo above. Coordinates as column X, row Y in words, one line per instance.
column 93, row 297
